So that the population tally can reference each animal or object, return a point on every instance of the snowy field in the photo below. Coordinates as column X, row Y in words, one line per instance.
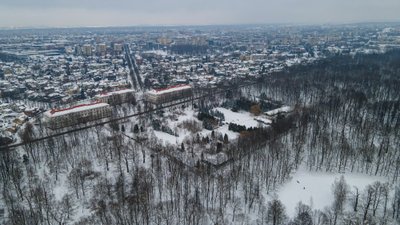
column 167, row 138
column 315, row 189
column 240, row 118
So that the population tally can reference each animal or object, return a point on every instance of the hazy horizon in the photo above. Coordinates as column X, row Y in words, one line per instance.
column 103, row 13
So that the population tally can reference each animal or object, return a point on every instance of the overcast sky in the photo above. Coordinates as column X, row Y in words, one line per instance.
column 56, row 13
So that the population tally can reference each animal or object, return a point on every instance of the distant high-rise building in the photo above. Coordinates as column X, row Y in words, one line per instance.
column 164, row 41
column 78, row 50
column 117, row 48
column 101, row 49
column 87, row 50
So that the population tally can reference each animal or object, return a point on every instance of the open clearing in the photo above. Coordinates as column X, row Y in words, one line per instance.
column 315, row 188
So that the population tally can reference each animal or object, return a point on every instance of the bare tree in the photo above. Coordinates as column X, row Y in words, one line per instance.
column 340, row 191
column 368, row 201
column 276, row 212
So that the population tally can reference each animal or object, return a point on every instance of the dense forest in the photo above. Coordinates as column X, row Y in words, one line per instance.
column 347, row 120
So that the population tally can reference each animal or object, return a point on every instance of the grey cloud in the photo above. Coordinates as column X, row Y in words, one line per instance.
column 132, row 12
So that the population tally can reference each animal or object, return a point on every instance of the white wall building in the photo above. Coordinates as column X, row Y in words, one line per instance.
column 117, row 97
column 160, row 96
column 58, row 118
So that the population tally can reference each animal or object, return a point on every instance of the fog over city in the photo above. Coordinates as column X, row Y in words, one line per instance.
column 65, row 13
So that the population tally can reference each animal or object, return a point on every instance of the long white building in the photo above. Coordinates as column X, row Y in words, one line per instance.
column 160, row 96
column 59, row 118
column 117, row 97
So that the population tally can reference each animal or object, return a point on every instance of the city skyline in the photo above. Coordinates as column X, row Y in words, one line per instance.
column 45, row 13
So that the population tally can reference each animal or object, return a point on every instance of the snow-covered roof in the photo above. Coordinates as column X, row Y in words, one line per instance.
column 170, row 89
column 284, row 109
column 77, row 108
column 115, row 92
column 156, row 52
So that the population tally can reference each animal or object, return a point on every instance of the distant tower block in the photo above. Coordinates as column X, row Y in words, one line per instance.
column 87, row 50
column 117, row 48
column 78, row 50
column 101, row 49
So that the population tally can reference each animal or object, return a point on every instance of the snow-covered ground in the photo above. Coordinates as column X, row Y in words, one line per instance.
column 224, row 129
column 241, row 118
column 165, row 137
column 284, row 109
column 185, row 115
column 315, row 188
